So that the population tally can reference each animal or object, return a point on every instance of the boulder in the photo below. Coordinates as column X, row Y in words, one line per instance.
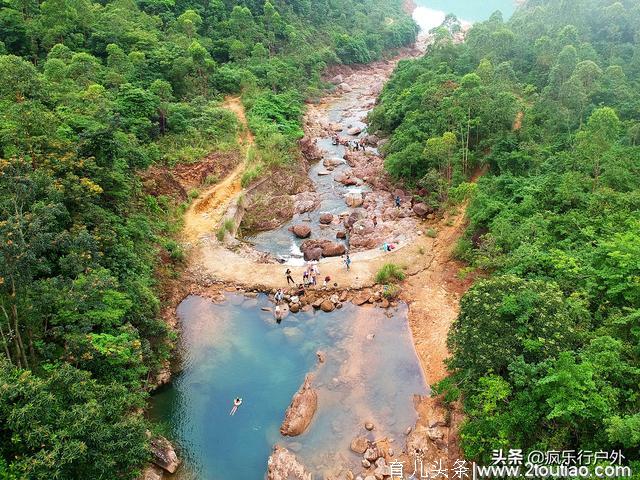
column 361, row 299
column 314, row 253
column 322, row 357
column 283, row 465
column 327, row 306
column 345, row 87
column 359, row 445
column 301, row 410
column 301, row 230
column 346, row 178
column 305, row 202
column 294, row 308
column 337, row 80
column 354, row 131
column 421, row 209
column 333, row 249
column 332, row 162
column 163, row 454
column 369, row 426
column 341, row 235
column 372, row 454
column 372, row 140
column 351, row 220
column 326, row 218
column 152, row 472
column 314, row 249
column 354, row 199
column 382, row 471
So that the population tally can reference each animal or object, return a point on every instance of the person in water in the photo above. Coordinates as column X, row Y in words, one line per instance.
column 279, row 296
column 236, row 403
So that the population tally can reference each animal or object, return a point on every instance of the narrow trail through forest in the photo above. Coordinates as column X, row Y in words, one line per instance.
column 207, row 210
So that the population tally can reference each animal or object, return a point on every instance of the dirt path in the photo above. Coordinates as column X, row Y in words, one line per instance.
column 205, row 213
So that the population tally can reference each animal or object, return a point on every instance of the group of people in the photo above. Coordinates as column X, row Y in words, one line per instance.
column 350, row 144
column 310, row 278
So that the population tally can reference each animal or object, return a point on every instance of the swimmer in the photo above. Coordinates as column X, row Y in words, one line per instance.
column 236, row 403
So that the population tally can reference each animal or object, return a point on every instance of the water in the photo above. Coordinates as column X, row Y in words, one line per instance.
column 431, row 13
column 235, row 349
column 348, row 111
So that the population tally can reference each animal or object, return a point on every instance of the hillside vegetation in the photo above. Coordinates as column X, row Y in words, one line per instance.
column 545, row 350
column 91, row 93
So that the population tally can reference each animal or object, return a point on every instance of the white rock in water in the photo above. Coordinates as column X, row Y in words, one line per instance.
column 354, row 199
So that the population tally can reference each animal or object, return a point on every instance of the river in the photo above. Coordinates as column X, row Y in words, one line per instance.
column 234, row 348
column 431, row 13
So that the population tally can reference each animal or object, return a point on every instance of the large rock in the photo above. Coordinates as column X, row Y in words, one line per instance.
column 301, row 411
column 283, row 465
column 354, row 131
column 346, row 178
column 152, row 472
column 313, row 253
column 372, row 140
column 359, row 445
column 326, row 218
column 337, row 80
column 333, row 249
column 327, row 306
column 314, row 249
column 351, row 220
column 372, row 454
column 361, row 298
column 422, row 209
column 301, row 230
column 332, row 162
column 354, row 199
column 345, row 87
column 305, row 202
column 163, row 454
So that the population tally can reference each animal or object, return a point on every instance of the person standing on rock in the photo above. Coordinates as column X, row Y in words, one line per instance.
column 347, row 262
column 398, row 201
column 289, row 277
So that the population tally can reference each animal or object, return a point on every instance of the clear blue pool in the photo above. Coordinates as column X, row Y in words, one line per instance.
column 371, row 374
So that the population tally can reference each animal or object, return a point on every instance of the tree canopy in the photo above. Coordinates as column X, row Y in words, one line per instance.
column 545, row 350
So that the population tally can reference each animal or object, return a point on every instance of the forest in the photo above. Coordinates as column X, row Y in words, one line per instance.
column 91, row 94
column 544, row 110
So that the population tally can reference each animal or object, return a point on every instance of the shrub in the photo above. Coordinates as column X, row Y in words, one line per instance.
column 431, row 233
column 250, row 175
column 390, row 272
column 211, row 179
column 391, row 292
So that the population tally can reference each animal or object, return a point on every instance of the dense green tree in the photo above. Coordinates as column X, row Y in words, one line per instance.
column 545, row 350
